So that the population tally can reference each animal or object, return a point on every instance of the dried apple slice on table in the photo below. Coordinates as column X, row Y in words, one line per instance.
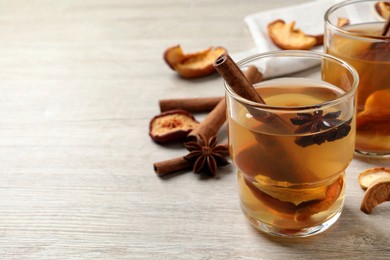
column 377, row 193
column 193, row 65
column 369, row 176
column 172, row 125
column 376, row 182
column 287, row 37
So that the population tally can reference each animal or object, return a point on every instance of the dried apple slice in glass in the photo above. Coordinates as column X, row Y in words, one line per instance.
column 376, row 109
column 287, row 193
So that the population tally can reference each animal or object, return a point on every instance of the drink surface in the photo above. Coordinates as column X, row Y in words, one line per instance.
column 371, row 59
column 282, row 182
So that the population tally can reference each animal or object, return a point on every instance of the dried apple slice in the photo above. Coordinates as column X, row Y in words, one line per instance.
column 286, row 194
column 342, row 21
column 174, row 55
column 332, row 194
column 383, row 9
column 369, row 176
column 172, row 125
column 377, row 193
column 287, row 37
column 193, row 65
column 376, row 109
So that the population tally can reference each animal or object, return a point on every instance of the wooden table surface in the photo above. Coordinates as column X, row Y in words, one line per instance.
column 79, row 82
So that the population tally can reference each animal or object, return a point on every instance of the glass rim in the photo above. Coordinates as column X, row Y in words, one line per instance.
column 296, row 53
column 334, row 27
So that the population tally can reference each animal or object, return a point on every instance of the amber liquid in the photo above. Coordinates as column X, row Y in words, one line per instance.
column 281, row 183
column 372, row 62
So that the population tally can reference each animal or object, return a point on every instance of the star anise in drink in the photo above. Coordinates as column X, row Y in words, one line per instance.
column 332, row 127
column 206, row 155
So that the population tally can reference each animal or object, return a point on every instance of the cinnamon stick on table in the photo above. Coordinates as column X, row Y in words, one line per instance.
column 190, row 104
column 204, row 104
column 215, row 119
column 172, row 165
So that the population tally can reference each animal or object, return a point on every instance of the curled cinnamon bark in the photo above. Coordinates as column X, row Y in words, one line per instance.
column 217, row 117
column 211, row 124
column 173, row 165
column 238, row 81
column 386, row 28
column 190, row 104
column 243, row 87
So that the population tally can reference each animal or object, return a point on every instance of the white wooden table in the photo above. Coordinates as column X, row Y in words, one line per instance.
column 79, row 82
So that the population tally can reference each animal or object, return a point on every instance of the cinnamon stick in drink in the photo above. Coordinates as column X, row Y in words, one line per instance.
column 216, row 118
column 233, row 75
column 386, row 28
column 229, row 70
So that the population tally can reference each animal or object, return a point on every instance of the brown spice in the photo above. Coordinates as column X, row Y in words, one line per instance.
column 204, row 104
column 211, row 124
column 312, row 123
column 173, row 165
column 232, row 74
column 217, row 117
column 206, row 155
column 386, row 28
column 195, row 105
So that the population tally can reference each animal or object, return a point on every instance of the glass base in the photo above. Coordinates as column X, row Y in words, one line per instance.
column 372, row 154
column 293, row 233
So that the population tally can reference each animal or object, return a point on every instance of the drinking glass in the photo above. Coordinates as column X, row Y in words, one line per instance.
column 291, row 152
column 361, row 44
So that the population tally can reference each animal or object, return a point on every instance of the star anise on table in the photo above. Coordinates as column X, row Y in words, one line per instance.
column 317, row 122
column 206, row 155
